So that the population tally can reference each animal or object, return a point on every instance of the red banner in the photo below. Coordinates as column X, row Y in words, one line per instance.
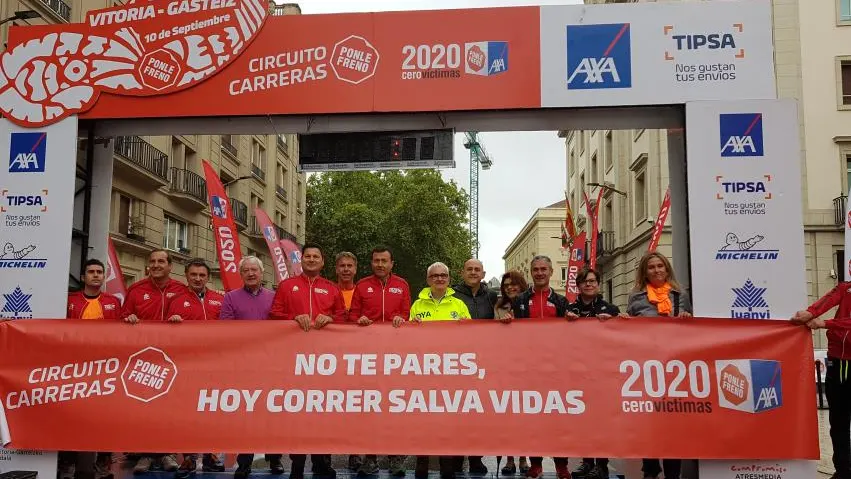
column 114, row 277
column 273, row 243
column 746, row 385
column 574, row 265
column 226, row 235
column 660, row 221
column 293, row 254
column 593, row 220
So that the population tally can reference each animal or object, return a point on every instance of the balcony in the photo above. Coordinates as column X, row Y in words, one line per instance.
column 258, row 172
column 58, row 8
column 282, row 145
column 281, row 192
column 188, row 188
column 146, row 164
column 839, row 210
column 240, row 213
column 605, row 244
column 284, row 234
column 228, row 147
column 254, row 229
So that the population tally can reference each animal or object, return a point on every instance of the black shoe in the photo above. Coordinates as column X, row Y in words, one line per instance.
column 478, row 467
column 298, row 470
column 242, row 472
column 276, row 467
column 186, row 469
column 509, row 469
column 598, row 472
column 212, row 463
column 583, row 470
column 325, row 472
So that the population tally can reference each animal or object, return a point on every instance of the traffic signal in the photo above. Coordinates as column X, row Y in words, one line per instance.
column 395, row 148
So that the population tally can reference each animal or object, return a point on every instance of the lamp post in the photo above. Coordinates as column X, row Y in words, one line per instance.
column 21, row 15
column 248, row 177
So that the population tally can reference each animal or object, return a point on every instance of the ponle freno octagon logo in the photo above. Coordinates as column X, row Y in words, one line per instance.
column 148, row 374
column 354, row 60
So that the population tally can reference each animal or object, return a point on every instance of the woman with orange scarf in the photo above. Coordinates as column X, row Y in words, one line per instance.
column 657, row 293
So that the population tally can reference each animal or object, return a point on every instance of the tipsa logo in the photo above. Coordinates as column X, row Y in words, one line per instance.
column 599, row 56
column 741, row 134
column 749, row 385
column 486, row 58
column 27, row 152
column 731, row 187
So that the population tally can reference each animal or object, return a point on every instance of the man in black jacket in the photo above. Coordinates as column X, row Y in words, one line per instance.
column 480, row 300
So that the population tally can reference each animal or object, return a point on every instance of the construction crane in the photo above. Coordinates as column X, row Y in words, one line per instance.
column 478, row 156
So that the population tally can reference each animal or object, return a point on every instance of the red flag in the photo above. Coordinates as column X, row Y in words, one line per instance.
column 114, row 277
column 275, row 249
column 660, row 221
column 574, row 265
column 224, row 229
column 569, row 225
column 592, row 218
column 293, row 254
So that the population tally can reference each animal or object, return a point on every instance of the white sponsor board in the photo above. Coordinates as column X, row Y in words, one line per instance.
column 37, row 175
column 746, row 228
column 656, row 53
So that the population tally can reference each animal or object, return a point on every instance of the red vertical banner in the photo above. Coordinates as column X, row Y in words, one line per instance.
column 224, row 229
column 660, row 221
column 593, row 215
column 575, row 263
column 272, row 241
column 114, row 277
column 293, row 254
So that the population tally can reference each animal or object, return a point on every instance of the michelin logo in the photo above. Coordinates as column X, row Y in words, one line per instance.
column 599, row 56
column 749, row 385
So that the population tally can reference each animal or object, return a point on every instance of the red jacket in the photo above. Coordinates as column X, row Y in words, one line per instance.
column 838, row 342
column 192, row 308
column 299, row 295
column 148, row 302
column 109, row 304
column 380, row 302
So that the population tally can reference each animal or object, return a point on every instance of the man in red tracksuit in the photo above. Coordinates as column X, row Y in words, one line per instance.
column 381, row 297
column 91, row 302
column 313, row 302
column 837, row 382
column 148, row 300
column 198, row 303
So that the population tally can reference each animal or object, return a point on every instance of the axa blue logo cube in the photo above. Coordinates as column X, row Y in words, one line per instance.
column 599, row 56
column 749, row 385
column 27, row 152
column 741, row 134
column 486, row 58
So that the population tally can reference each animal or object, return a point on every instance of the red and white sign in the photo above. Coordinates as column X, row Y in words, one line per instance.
column 659, row 225
column 224, row 229
column 270, row 233
column 148, row 374
column 114, row 277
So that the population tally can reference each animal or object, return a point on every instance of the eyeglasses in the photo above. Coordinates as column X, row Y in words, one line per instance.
column 588, row 281
column 439, row 276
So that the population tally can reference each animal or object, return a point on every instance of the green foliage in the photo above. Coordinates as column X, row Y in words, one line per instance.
column 415, row 213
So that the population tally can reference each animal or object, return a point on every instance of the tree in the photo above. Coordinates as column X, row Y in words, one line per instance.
column 418, row 215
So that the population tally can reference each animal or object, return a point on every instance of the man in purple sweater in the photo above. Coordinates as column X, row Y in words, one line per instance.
column 252, row 301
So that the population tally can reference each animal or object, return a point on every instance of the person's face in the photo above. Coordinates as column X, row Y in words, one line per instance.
column 590, row 287
column 438, row 281
column 656, row 272
column 345, row 269
column 93, row 276
column 511, row 289
column 541, row 273
column 251, row 275
column 196, row 277
column 158, row 265
column 473, row 272
column 311, row 261
column 382, row 264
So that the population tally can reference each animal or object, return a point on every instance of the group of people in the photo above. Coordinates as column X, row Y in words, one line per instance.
column 313, row 302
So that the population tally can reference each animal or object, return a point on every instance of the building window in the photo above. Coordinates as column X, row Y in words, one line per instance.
column 608, row 151
column 125, row 214
column 608, row 216
column 258, row 160
column 593, row 174
column 844, row 11
column 563, row 276
column 639, row 190
column 609, row 287
column 174, row 235
column 572, row 162
column 848, row 171
column 844, row 83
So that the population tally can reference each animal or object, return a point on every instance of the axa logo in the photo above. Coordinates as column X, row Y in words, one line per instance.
column 486, row 58
column 736, row 249
column 27, row 152
column 219, row 206
column 738, row 186
column 12, row 257
column 599, row 56
column 749, row 302
column 16, row 305
column 741, row 134
column 749, row 385
column 10, row 201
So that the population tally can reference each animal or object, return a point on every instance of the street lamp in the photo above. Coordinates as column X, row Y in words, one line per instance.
column 248, row 177
column 607, row 187
column 21, row 15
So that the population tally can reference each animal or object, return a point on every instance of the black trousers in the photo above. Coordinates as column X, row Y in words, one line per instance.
column 245, row 460
column 539, row 461
column 600, row 461
column 671, row 468
column 838, row 388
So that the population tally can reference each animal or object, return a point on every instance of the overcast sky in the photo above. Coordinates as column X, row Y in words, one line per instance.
column 529, row 167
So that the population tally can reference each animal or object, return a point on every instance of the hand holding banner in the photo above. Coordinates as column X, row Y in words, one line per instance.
column 267, row 385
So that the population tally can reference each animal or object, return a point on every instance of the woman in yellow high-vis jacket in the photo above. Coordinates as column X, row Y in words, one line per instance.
column 437, row 303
